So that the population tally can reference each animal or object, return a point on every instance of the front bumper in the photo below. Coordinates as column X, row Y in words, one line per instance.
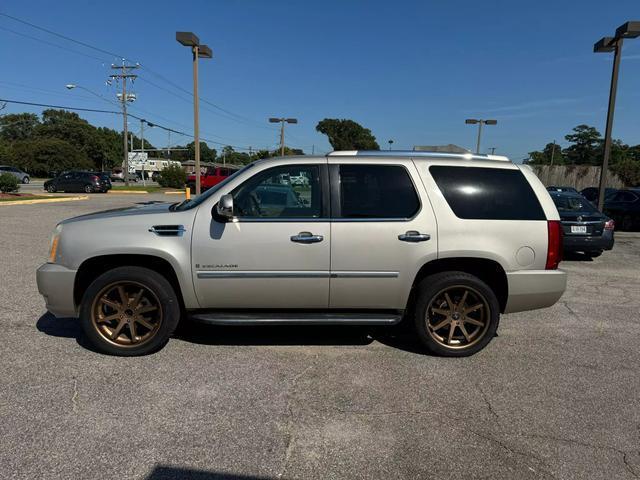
column 579, row 243
column 55, row 284
column 532, row 289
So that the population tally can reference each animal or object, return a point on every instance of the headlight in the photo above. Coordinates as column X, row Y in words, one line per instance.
column 55, row 238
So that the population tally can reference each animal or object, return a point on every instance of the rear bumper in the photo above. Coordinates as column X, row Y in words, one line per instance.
column 580, row 243
column 532, row 289
column 55, row 284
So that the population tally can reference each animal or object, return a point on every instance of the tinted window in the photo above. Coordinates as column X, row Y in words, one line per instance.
column 270, row 194
column 377, row 191
column 487, row 193
column 572, row 204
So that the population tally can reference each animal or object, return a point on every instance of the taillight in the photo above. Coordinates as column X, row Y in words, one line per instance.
column 554, row 248
column 95, row 179
column 610, row 225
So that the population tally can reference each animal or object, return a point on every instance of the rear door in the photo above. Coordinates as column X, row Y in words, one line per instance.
column 383, row 229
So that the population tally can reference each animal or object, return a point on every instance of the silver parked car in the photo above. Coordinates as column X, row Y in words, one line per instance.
column 23, row 177
column 447, row 242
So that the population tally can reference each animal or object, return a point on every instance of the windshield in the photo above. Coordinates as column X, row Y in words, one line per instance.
column 566, row 203
column 194, row 202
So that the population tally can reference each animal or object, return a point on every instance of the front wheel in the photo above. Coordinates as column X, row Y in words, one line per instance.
column 25, row 180
column 129, row 311
column 51, row 189
column 456, row 314
column 88, row 188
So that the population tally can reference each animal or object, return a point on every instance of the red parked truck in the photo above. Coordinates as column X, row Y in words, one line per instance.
column 212, row 176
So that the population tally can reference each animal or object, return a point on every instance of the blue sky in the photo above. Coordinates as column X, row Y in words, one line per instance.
column 409, row 71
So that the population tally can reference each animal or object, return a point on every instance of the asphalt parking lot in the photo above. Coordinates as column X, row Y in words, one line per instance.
column 555, row 395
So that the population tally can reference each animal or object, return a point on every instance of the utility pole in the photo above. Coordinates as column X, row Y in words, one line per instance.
column 124, row 76
column 313, row 149
column 142, row 150
column 282, row 121
column 169, row 144
column 553, row 152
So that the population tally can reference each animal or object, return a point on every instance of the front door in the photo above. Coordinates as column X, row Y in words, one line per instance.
column 381, row 233
column 276, row 252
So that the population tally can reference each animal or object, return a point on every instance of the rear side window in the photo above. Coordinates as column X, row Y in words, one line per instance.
column 487, row 193
column 377, row 191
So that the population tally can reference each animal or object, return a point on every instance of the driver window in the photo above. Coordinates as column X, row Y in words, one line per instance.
column 291, row 191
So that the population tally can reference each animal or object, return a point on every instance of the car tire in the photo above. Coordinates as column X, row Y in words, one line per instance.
column 51, row 189
column 88, row 189
column 115, row 336
column 594, row 253
column 25, row 180
column 458, row 301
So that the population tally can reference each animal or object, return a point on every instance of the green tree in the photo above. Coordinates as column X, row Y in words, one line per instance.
column 8, row 183
column 629, row 171
column 207, row 154
column 551, row 151
column 44, row 156
column 18, row 126
column 346, row 134
column 586, row 146
column 172, row 176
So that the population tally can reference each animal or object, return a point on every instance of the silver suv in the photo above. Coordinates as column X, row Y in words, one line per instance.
column 447, row 242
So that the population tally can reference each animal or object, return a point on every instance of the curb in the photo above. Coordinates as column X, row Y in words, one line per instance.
column 44, row 200
column 174, row 192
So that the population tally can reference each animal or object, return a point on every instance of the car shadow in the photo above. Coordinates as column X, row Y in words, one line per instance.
column 64, row 328
column 576, row 257
column 398, row 336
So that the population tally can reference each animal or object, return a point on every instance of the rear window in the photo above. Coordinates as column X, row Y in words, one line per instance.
column 377, row 191
column 487, row 193
column 573, row 204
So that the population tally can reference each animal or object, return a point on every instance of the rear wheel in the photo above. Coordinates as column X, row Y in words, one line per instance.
column 25, row 180
column 594, row 253
column 129, row 311
column 88, row 188
column 456, row 314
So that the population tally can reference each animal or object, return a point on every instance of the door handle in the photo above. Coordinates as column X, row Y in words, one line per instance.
column 414, row 236
column 307, row 237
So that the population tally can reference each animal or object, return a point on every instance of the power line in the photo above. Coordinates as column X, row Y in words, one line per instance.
column 69, row 39
column 52, row 44
column 232, row 115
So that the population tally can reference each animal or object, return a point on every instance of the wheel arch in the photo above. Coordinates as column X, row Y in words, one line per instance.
column 487, row 270
column 93, row 267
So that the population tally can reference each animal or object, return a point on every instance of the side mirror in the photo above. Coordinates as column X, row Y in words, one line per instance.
column 224, row 209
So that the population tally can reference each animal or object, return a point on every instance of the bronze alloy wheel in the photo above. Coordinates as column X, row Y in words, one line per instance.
column 126, row 313
column 458, row 317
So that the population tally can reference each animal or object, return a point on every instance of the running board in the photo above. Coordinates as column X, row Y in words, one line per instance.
column 296, row 318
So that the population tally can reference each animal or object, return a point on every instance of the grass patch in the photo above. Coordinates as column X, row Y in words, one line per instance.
column 139, row 188
column 18, row 198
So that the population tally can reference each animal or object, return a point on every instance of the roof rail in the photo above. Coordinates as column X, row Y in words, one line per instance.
column 415, row 153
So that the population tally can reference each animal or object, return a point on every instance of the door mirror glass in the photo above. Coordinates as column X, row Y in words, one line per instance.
column 225, row 207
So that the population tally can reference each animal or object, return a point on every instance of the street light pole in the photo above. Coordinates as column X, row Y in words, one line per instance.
column 480, row 122
column 282, row 121
column 609, row 44
column 199, row 51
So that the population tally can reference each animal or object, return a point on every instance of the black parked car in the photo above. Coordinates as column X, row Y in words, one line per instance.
column 591, row 193
column 74, row 181
column 624, row 207
column 585, row 228
column 553, row 188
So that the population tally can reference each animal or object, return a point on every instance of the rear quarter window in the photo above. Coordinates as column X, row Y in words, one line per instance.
column 476, row 193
